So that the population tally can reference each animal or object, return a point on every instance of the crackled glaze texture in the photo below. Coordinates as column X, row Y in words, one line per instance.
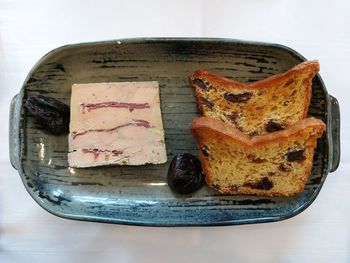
column 140, row 195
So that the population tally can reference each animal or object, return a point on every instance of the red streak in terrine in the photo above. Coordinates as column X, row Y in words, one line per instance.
column 96, row 152
column 114, row 104
column 139, row 123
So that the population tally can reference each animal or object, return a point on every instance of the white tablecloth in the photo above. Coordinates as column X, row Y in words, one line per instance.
column 317, row 29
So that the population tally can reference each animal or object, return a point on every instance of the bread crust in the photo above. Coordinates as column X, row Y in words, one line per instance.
column 200, row 127
column 311, row 66
column 308, row 67
column 226, row 131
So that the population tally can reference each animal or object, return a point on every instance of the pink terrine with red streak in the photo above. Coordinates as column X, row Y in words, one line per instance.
column 116, row 123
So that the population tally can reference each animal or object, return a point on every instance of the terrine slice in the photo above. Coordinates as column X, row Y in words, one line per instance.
column 116, row 123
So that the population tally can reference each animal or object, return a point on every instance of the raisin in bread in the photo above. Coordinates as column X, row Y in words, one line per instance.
column 275, row 164
column 258, row 108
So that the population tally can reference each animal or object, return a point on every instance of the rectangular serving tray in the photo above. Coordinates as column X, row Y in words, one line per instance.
column 140, row 195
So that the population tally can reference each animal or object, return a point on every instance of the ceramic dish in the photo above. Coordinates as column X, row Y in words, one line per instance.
column 140, row 195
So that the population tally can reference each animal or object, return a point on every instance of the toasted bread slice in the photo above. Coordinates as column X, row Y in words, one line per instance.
column 258, row 108
column 275, row 164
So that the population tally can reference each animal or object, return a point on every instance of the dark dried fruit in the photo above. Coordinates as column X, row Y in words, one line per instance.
column 52, row 114
column 295, row 156
column 233, row 117
column 206, row 102
column 240, row 98
column 185, row 174
column 273, row 126
column 200, row 83
column 289, row 82
column 263, row 184
column 283, row 168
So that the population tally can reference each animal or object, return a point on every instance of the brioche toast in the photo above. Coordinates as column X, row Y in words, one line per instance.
column 260, row 107
column 276, row 164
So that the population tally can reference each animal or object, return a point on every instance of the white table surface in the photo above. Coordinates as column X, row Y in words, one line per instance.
column 316, row 29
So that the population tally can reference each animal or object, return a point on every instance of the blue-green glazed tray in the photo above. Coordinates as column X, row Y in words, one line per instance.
column 140, row 195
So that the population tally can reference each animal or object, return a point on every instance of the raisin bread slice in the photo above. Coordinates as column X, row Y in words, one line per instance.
column 276, row 164
column 258, row 108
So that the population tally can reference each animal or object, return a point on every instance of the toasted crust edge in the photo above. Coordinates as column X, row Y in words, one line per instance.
column 233, row 133
column 225, row 131
column 311, row 66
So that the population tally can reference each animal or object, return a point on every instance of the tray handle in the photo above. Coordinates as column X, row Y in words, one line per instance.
column 334, row 133
column 14, row 131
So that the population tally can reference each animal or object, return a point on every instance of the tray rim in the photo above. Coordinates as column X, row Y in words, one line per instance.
column 17, row 103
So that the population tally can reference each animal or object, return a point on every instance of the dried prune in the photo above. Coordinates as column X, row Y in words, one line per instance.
column 295, row 156
column 51, row 114
column 185, row 174
column 272, row 126
column 240, row 98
